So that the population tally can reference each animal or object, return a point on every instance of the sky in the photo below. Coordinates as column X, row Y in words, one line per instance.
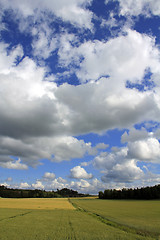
column 79, row 94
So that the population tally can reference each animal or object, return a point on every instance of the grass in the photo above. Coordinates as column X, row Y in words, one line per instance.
column 57, row 225
column 141, row 216
column 34, row 223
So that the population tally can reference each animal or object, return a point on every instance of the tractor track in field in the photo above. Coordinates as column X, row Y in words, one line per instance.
column 110, row 223
column 72, row 230
column 14, row 216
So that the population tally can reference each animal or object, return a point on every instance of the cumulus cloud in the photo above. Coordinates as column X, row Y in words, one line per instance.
column 142, row 145
column 13, row 164
column 117, row 167
column 80, row 173
column 101, row 146
column 41, row 117
column 44, row 40
column 34, row 125
column 126, row 172
column 38, row 185
column 137, row 7
column 48, row 176
column 24, row 185
column 72, row 11
column 54, row 184
column 31, row 150
column 134, row 135
column 105, row 108
column 80, row 185
column 121, row 164
column 145, row 150
column 100, row 58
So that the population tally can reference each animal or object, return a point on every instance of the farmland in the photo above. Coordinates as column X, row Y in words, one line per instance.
column 36, row 203
column 131, row 215
column 31, row 219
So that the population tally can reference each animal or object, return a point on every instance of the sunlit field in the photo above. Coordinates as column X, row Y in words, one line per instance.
column 57, row 219
column 144, row 216
column 35, row 203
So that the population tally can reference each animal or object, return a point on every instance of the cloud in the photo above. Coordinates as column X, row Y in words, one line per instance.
column 95, row 59
column 57, row 183
column 137, row 7
column 126, row 172
column 44, row 40
column 80, row 173
column 117, row 167
column 24, row 185
column 31, row 150
column 122, row 164
column 66, row 148
column 82, row 185
column 48, row 176
column 142, row 145
column 102, row 146
column 145, row 150
column 41, row 117
column 104, row 108
column 8, row 60
column 72, row 11
column 13, row 164
column 134, row 135
column 38, row 185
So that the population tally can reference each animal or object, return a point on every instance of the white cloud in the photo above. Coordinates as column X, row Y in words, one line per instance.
column 71, row 10
column 65, row 148
column 48, row 176
column 80, row 173
column 137, row 7
column 142, row 145
column 82, row 185
column 8, row 60
column 101, row 146
column 31, row 150
column 117, row 167
column 55, row 184
column 105, row 107
column 134, row 135
column 24, row 185
column 44, row 40
column 14, row 165
column 41, row 118
column 126, row 172
column 38, row 185
column 145, row 150
column 99, row 58
column 61, row 180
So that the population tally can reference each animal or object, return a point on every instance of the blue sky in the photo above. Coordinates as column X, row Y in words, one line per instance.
column 79, row 94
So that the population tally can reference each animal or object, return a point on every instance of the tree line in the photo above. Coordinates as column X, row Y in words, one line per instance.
column 138, row 193
column 37, row 193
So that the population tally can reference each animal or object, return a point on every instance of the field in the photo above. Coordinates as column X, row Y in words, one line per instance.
column 134, row 216
column 57, row 219
column 36, row 203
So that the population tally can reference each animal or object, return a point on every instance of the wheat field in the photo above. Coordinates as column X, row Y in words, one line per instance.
column 57, row 219
column 36, row 203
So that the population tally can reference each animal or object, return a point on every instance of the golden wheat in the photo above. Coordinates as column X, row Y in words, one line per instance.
column 35, row 203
